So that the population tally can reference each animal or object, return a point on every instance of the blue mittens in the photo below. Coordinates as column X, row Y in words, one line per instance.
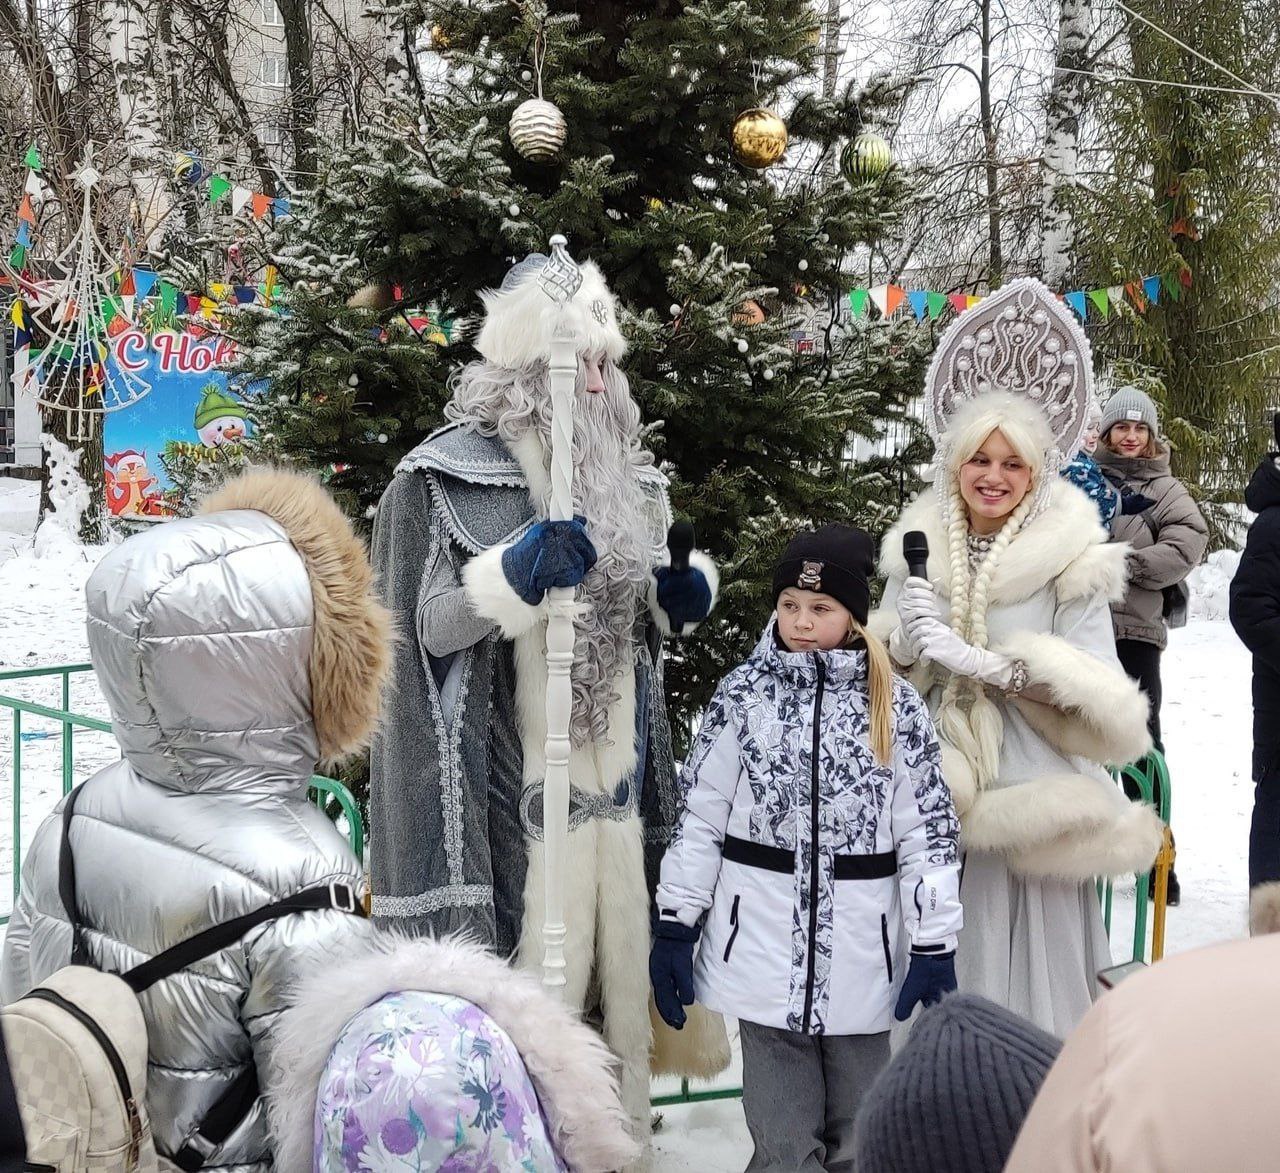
column 1131, row 503
column 671, row 969
column 929, row 976
column 552, row 554
column 685, row 595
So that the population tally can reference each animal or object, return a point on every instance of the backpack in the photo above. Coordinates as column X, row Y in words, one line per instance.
column 77, row 1045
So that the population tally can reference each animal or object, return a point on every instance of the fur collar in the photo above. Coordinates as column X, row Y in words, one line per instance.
column 570, row 1066
column 1065, row 545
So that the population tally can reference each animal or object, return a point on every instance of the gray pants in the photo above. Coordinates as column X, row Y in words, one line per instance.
column 800, row 1094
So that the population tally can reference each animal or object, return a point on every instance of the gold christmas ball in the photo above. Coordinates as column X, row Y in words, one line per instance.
column 538, row 130
column 759, row 138
column 439, row 38
column 866, row 157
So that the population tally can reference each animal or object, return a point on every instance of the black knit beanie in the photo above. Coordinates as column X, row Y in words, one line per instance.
column 953, row 1099
column 837, row 560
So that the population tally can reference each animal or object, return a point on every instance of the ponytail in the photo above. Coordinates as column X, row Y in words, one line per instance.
column 880, row 690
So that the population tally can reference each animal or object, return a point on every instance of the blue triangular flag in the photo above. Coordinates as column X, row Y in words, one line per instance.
column 919, row 299
column 1076, row 301
column 24, row 234
column 144, row 281
column 243, row 294
column 282, row 206
column 1151, row 287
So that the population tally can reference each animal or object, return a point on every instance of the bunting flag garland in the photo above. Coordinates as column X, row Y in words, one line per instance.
column 32, row 160
column 144, row 281
column 262, row 204
column 187, row 168
column 218, row 187
column 240, row 196
column 1141, row 293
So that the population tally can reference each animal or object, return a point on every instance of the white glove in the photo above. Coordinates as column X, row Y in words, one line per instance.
column 916, row 603
column 941, row 645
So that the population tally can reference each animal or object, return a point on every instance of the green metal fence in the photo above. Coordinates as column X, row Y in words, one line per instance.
column 323, row 790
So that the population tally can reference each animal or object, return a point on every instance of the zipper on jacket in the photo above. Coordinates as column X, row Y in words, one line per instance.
column 884, row 937
column 733, row 920
column 113, row 1060
column 813, row 841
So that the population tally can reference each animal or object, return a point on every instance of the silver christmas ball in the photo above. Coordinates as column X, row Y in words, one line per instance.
column 526, row 75
column 538, row 130
column 802, row 266
column 382, row 437
column 675, row 310
column 514, row 209
column 743, row 346
column 353, row 380
column 768, row 372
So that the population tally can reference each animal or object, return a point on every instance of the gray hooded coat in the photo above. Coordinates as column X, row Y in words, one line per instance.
column 236, row 650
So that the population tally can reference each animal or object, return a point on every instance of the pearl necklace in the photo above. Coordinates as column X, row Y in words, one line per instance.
column 978, row 546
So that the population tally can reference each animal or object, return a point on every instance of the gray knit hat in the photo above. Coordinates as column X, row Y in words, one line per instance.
column 953, row 1099
column 1130, row 404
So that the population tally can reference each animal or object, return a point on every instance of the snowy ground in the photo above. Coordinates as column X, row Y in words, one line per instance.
column 1206, row 720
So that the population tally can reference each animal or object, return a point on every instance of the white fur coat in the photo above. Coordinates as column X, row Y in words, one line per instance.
column 1051, row 811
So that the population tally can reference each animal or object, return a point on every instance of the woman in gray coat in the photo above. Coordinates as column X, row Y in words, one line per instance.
column 1166, row 541
column 236, row 650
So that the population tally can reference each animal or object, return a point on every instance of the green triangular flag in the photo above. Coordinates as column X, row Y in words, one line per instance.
column 1171, row 286
column 1099, row 298
column 112, row 307
column 33, row 158
column 857, row 302
column 218, row 187
column 17, row 257
column 168, row 299
column 937, row 303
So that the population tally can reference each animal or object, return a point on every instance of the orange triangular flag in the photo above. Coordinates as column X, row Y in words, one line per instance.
column 24, row 210
column 127, row 288
column 261, row 205
column 894, row 296
column 1134, row 290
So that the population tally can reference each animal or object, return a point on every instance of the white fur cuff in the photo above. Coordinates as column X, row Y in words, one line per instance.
column 1097, row 711
column 492, row 598
column 697, row 561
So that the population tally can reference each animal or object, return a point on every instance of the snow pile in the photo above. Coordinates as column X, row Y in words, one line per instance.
column 59, row 533
column 1210, row 584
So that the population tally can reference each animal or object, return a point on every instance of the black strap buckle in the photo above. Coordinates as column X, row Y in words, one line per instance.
column 342, row 896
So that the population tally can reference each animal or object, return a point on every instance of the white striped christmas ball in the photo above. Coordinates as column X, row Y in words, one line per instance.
column 538, row 130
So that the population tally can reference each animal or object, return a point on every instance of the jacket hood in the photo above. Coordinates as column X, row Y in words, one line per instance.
column 572, row 1069
column 1136, row 468
column 239, row 648
column 1264, row 487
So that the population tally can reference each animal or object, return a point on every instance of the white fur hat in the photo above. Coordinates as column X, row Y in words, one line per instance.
column 520, row 316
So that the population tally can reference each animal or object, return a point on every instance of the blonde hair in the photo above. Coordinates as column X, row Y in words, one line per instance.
column 879, row 690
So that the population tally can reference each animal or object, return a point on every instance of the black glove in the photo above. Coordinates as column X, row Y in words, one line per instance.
column 671, row 969
column 929, row 976
column 1132, row 503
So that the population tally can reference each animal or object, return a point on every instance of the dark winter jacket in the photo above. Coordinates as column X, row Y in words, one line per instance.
column 1156, row 560
column 1255, row 613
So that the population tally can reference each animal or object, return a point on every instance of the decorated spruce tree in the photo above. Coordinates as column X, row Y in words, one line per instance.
column 652, row 136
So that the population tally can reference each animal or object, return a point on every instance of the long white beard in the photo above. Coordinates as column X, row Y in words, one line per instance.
column 607, row 492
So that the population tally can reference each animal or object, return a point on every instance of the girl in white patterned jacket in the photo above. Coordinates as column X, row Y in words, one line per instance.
column 817, row 834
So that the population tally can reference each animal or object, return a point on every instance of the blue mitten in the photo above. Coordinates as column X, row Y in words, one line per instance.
column 671, row 969
column 552, row 554
column 929, row 976
column 685, row 595
column 1131, row 503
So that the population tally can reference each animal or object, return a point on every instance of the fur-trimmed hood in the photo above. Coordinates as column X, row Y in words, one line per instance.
column 238, row 648
column 1066, row 544
column 519, row 320
column 570, row 1066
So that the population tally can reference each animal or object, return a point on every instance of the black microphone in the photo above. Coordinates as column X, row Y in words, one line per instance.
column 1275, row 426
column 680, row 539
column 915, row 549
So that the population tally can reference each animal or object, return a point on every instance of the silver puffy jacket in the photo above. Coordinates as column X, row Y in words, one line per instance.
column 236, row 650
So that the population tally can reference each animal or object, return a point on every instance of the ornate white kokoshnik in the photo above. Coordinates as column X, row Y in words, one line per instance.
column 1022, row 340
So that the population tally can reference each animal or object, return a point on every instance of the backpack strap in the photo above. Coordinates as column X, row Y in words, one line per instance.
column 67, row 881
column 1151, row 525
column 228, row 1110
column 337, row 896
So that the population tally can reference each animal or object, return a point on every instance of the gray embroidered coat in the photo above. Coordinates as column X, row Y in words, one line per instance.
column 448, row 816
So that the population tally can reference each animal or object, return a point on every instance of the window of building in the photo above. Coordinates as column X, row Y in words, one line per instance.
column 273, row 69
column 270, row 134
column 271, row 13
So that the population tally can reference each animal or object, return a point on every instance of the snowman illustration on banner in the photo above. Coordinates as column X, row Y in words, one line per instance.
column 220, row 420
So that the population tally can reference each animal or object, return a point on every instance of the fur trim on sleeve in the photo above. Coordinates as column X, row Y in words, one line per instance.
column 1099, row 570
column 1068, row 827
column 1097, row 711
column 697, row 561
column 1264, row 909
column 571, row 1067
column 492, row 598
